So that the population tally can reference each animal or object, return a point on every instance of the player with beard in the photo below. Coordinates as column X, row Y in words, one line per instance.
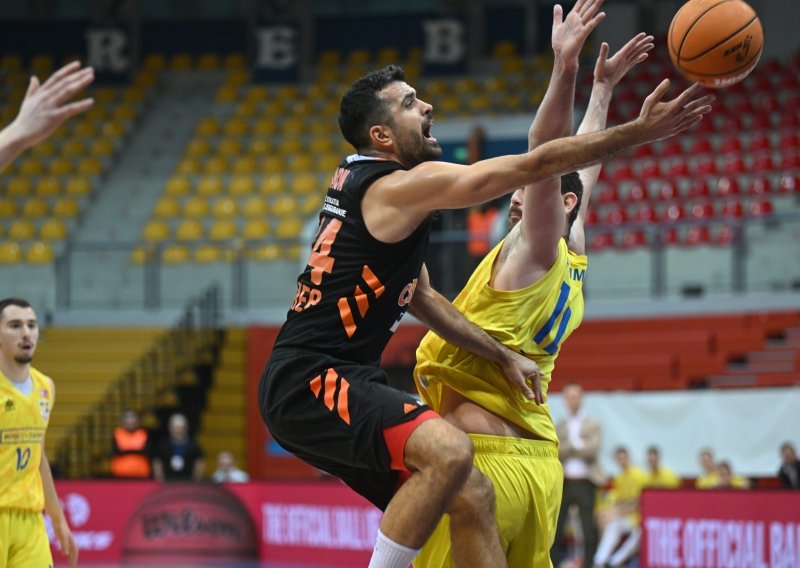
column 27, row 398
column 527, row 294
column 323, row 394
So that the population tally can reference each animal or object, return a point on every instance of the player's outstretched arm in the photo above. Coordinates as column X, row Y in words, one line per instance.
column 45, row 107
column 438, row 314
column 608, row 72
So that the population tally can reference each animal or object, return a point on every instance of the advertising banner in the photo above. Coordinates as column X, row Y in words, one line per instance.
column 720, row 528
column 290, row 523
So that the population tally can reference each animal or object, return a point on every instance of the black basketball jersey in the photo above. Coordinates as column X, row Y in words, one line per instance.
column 355, row 289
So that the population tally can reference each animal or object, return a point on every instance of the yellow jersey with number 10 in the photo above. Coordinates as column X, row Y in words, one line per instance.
column 23, row 422
column 534, row 321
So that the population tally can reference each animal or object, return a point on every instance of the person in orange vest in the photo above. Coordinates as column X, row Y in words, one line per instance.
column 130, row 448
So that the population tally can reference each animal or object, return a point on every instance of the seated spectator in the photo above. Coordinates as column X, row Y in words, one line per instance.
column 726, row 479
column 178, row 457
column 789, row 473
column 130, row 448
column 709, row 478
column 624, row 517
column 227, row 472
column 658, row 475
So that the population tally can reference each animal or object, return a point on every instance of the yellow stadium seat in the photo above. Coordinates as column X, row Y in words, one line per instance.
column 237, row 77
column 225, row 207
column 188, row 166
column 255, row 206
column 208, row 61
column 330, row 58
column 44, row 149
column 134, row 94
column 181, row 62
column 189, row 230
column 53, row 230
column 18, row 187
column 327, row 163
column 246, row 110
column 321, row 145
column 244, row 165
column 310, row 204
column 105, row 95
column 300, row 163
column 78, row 186
column 167, row 207
column 235, row 61
column 97, row 113
column 42, row 64
column 388, row 55
column 256, row 93
column 512, row 64
column 271, row 164
column 259, row 147
column 284, row 206
column 61, row 167
column 205, row 254
column 241, row 185
column 8, row 207
column 327, row 75
column 10, row 252
column 215, row 165
column 272, row 184
column 90, row 167
column 480, row 103
column 304, row 184
column 293, row 126
column 21, row 230
column 113, row 129
column 102, row 148
column 195, row 207
column 34, row 207
column 289, row 228
column 291, row 145
column 155, row 231
column 139, row 255
column 145, row 78
column 155, row 62
column 323, row 126
column 124, row 112
column 30, row 167
column 48, row 186
column 209, row 185
column 66, row 207
column 222, row 230
column 236, row 126
column 174, row 254
column 85, row 129
column 229, row 147
column 197, row 148
column 292, row 252
column 255, row 229
column 39, row 253
column 358, row 57
column 265, row 127
column 207, row 127
column 11, row 62
column 177, row 186
column 265, row 253
column 504, row 49
column 274, row 108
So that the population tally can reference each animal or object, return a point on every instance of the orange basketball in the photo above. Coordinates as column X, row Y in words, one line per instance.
column 715, row 42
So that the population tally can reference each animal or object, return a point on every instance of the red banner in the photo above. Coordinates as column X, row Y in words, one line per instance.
column 725, row 529
column 325, row 523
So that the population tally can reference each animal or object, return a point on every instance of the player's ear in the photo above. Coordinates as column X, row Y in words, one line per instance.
column 380, row 136
column 570, row 201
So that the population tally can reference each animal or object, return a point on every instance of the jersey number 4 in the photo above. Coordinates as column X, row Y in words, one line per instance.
column 321, row 261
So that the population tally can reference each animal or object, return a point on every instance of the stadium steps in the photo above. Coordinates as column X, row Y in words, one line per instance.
column 224, row 421
column 83, row 363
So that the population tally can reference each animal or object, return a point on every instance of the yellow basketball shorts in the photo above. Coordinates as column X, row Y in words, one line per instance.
column 528, row 482
column 23, row 540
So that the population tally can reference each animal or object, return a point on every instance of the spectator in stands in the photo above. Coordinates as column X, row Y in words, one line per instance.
column 178, row 457
column 658, row 475
column 130, row 448
column 623, row 514
column 789, row 473
column 709, row 478
column 726, row 479
column 45, row 107
column 227, row 472
column 580, row 437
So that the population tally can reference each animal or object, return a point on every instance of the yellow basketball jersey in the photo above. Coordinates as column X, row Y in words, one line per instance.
column 23, row 421
column 534, row 321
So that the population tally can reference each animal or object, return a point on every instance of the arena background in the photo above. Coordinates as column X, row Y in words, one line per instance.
column 159, row 236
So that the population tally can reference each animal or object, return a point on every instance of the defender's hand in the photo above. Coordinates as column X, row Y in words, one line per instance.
column 610, row 71
column 660, row 120
column 570, row 34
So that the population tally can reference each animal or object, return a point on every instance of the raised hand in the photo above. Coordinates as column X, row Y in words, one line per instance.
column 570, row 34
column 610, row 71
column 664, row 119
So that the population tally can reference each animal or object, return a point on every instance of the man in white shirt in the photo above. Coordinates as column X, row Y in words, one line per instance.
column 227, row 472
column 580, row 437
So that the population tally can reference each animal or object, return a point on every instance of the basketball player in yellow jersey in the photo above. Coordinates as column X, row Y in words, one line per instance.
column 527, row 293
column 26, row 483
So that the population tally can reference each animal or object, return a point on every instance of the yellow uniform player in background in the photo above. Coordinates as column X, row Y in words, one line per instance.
column 527, row 293
column 26, row 483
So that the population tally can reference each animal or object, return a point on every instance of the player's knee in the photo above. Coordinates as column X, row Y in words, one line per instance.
column 452, row 457
column 476, row 497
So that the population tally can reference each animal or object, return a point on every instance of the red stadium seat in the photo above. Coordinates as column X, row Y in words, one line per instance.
column 706, row 166
column 702, row 210
column 672, row 147
column 760, row 186
column 761, row 121
column 634, row 239
column 698, row 189
column 669, row 236
column 650, row 169
column 724, row 236
column 727, row 186
column 602, row 241
column 731, row 143
column 678, row 167
column 697, row 235
column 790, row 183
column 759, row 142
column 668, row 191
column 734, row 165
column 637, row 193
column 741, row 106
column 767, row 102
column 730, row 123
column 790, row 160
column 644, row 151
column 789, row 140
column 763, row 163
column 674, row 212
column 732, row 208
column 616, row 215
column 701, row 146
column 789, row 82
column 791, row 119
column 645, row 214
column 760, row 208
column 608, row 194
column 622, row 172
column 591, row 217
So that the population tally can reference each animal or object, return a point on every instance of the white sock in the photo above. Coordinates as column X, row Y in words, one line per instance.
column 389, row 554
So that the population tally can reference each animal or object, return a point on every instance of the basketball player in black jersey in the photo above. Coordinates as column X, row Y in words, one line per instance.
column 323, row 394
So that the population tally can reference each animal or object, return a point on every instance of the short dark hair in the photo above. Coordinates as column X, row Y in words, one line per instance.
column 361, row 107
column 19, row 302
column 571, row 183
column 654, row 450
column 621, row 450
